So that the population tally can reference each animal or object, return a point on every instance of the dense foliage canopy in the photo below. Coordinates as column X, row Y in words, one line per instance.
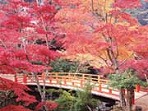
column 100, row 32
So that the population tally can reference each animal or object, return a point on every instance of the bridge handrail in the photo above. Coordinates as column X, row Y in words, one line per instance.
column 67, row 79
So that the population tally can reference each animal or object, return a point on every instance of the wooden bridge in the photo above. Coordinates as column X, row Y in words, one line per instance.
column 72, row 81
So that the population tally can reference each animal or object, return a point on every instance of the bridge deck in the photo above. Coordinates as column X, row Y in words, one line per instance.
column 72, row 81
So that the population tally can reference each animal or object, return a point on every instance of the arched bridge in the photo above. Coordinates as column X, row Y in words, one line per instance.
column 72, row 81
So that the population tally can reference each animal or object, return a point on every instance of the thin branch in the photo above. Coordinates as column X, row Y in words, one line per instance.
column 92, row 6
column 126, row 59
column 3, row 44
column 105, row 60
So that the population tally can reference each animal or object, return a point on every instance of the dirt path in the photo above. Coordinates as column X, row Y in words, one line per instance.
column 143, row 102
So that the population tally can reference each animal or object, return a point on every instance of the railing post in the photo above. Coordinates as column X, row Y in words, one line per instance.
column 24, row 78
column 50, row 80
column 73, row 84
column 65, row 81
column 110, row 91
column 82, row 81
column 98, row 79
column 100, row 87
column 15, row 78
column 137, row 88
column 43, row 76
column 83, row 77
column 57, row 78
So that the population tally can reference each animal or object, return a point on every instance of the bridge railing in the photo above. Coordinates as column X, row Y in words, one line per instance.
column 65, row 79
column 75, row 80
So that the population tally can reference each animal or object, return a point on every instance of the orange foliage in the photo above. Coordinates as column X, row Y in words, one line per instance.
column 117, row 38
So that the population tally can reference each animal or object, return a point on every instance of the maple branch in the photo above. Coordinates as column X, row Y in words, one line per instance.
column 110, row 20
column 110, row 52
column 38, row 84
column 106, row 17
column 92, row 6
column 146, row 77
column 44, row 82
column 89, row 108
column 45, row 29
column 126, row 60
column 44, row 26
column 117, row 50
column 112, row 58
column 3, row 44
column 103, row 60
column 109, row 55
column 79, row 65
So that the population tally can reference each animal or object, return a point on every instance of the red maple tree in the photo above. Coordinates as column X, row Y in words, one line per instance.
column 114, row 37
column 26, row 34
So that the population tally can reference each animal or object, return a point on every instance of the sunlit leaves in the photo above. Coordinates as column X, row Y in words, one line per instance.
column 140, row 66
column 105, row 6
column 117, row 38
column 123, row 17
column 139, row 46
column 127, row 3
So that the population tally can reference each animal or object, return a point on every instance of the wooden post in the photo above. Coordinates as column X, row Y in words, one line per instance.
column 110, row 91
column 100, row 87
column 24, row 78
column 50, row 80
column 98, row 79
column 57, row 78
column 64, row 80
column 83, row 77
column 73, row 84
column 69, row 77
column 43, row 75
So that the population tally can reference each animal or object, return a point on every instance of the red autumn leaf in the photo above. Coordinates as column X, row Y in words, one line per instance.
column 19, row 90
column 14, row 108
column 127, row 3
column 49, row 104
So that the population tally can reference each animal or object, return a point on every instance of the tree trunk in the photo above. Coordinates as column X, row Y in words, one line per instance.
column 130, row 95
column 122, row 98
column 42, row 93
